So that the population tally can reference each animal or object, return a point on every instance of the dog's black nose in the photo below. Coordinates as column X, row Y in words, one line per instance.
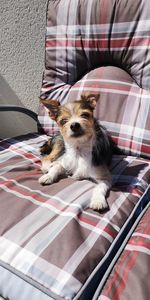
column 75, row 127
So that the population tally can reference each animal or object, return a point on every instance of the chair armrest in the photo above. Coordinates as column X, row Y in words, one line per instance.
column 23, row 110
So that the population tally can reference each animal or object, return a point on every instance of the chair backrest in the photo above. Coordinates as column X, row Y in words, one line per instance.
column 101, row 46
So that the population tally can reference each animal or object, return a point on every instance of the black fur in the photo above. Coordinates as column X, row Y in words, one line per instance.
column 47, row 147
column 104, row 146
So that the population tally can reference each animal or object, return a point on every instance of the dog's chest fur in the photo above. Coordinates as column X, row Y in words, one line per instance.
column 77, row 157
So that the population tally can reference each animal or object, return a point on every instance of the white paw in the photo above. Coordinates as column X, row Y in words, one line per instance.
column 77, row 177
column 46, row 165
column 46, row 179
column 98, row 202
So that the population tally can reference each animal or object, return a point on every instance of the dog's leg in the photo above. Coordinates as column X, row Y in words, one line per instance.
column 98, row 200
column 103, row 178
column 46, row 164
column 55, row 170
column 53, row 149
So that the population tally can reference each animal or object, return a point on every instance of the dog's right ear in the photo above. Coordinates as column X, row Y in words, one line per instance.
column 53, row 107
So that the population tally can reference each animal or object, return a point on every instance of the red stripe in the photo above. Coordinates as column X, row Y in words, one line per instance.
column 102, row 85
column 137, row 192
column 28, row 155
column 98, row 43
column 10, row 185
column 107, row 229
column 142, row 242
column 125, row 254
column 128, row 267
column 124, row 278
column 132, row 256
column 103, row 20
column 130, row 144
column 95, row 224
column 87, row 221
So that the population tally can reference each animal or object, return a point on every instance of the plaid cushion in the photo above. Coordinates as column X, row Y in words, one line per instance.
column 48, row 235
column 84, row 36
column 130, row 276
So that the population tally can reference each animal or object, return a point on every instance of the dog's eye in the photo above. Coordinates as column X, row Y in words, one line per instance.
column 63, row 121
column 85, row 115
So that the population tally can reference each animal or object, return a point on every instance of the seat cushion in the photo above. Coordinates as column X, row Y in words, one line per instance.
column 49, row 237
column 129, row 277
column 103, row 47
column 84, row 35
column 123, row 108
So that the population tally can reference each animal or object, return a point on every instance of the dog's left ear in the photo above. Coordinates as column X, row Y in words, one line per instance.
column 91, row 98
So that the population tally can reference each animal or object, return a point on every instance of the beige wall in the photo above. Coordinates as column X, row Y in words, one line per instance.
column 22, row 38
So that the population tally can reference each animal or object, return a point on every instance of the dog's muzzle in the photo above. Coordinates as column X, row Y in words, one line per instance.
column 76, row 129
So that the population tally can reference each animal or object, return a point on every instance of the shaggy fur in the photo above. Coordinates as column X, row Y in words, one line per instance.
column 82, row 150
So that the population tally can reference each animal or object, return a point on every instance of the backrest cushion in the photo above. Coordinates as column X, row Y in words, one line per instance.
column 101, row 46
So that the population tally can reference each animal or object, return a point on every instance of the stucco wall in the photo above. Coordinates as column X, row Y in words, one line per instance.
column 22, row 38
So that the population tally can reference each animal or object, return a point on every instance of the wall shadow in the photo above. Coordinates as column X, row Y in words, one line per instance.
column 13, row 123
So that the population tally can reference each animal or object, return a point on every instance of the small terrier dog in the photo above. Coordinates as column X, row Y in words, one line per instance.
column 83, row 149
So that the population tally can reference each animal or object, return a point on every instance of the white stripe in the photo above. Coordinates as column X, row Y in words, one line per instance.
column 147, row 47
column 135, row 107
column 80, row 90
column 116, row 127
column 147, row 236
column 6, row 155
column 24, row 147
column 62, row 38
column 97, row 230
column 111, row 81
column 141, row 26
column 135, row 248
column 6, row 169
column 103, row 220
column 17, row 153
column 112, row 90
column 141, row 120
column 103, row 298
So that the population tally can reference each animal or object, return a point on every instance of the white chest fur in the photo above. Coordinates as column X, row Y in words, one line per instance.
column 77, row 160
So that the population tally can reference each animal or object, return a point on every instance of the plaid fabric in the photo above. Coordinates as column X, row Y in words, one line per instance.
column 86, row 35
column 48, row 235
column 130, row 277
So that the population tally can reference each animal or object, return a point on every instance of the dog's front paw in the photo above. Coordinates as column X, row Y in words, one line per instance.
column 98, row 202
column 46, row 179
column 77, row 177
column 46, row 165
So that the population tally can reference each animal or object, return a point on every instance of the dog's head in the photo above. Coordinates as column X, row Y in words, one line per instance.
column 75, row 119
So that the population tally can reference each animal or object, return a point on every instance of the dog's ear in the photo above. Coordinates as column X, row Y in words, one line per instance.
column 53, row 107
column 91, row 98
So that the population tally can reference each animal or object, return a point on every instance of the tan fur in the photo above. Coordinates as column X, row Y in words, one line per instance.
column 55, row 152
column 65, row 117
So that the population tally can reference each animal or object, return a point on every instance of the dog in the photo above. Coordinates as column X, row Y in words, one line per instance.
column 83, row 149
